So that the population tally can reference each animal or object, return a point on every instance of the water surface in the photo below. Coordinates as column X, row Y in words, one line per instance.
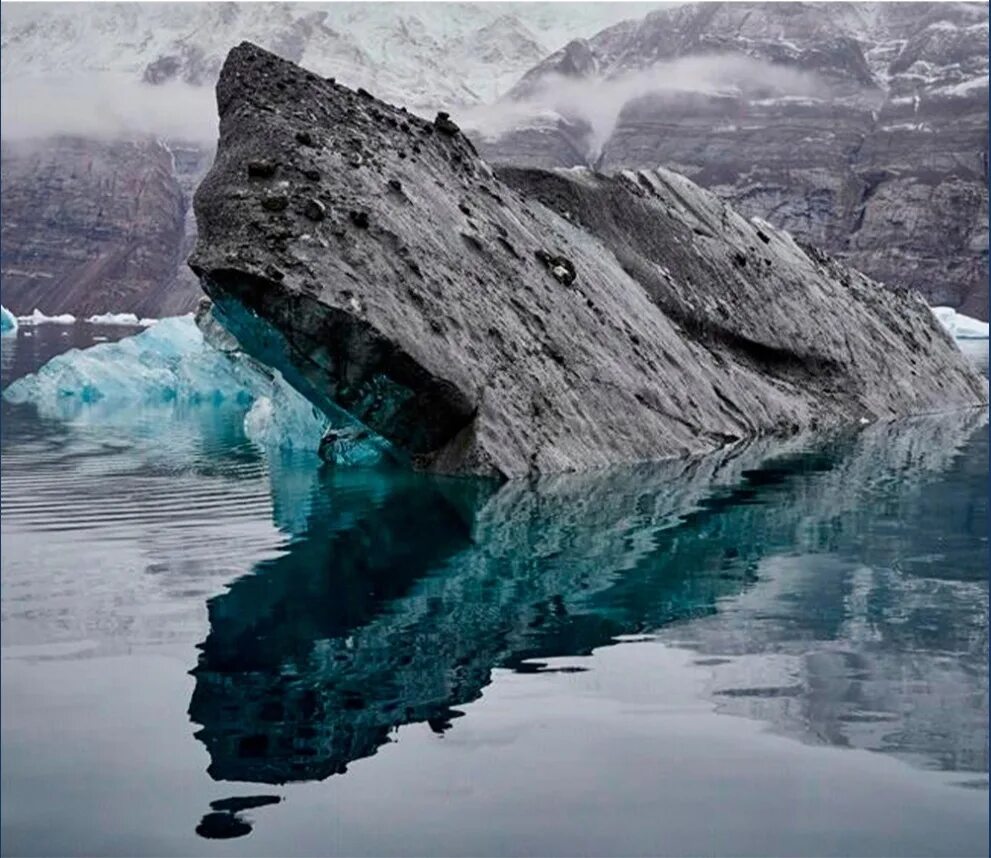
column 778, row 649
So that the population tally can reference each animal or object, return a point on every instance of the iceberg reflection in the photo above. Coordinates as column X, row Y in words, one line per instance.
column 401, row 593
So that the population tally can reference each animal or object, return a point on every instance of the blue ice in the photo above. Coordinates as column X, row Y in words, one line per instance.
column 172, row 363
column 8, row 321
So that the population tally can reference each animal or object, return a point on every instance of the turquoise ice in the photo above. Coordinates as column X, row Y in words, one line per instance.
column 171, row 364
column 8, row 321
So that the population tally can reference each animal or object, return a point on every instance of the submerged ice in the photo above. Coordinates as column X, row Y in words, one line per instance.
column 172, row 363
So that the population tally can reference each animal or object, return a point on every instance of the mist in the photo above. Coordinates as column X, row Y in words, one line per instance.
column 106, row 106
column 599, row 101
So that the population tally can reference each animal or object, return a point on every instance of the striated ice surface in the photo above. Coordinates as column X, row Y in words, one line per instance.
column 8, row 321
column 169, row 362
column 960, row 326
column 172, row 363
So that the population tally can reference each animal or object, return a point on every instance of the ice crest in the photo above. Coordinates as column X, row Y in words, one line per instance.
column 120, row 319
column 168, row 362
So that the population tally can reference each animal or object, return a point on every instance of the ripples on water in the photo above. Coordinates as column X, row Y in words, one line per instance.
column 833, row 590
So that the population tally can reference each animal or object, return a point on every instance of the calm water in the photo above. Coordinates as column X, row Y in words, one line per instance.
column 782, row 649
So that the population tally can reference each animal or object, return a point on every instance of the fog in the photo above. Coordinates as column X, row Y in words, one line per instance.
column 110, row 105
column 106, row 106
column 599, row 101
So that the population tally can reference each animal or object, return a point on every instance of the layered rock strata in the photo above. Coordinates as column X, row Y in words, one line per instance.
column 93, row 227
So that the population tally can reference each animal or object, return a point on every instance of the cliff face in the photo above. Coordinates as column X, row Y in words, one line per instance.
column 91, row 227
column 560, row 321
column 859, row 127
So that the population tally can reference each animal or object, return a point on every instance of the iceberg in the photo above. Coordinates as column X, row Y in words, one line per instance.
column 120, row 319
column 961, row 327
column 171, row 363
column 8, row 321
column 39, row 318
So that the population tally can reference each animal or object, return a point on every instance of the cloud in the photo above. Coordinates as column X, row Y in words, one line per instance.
column 598, row 101
column 106, row 106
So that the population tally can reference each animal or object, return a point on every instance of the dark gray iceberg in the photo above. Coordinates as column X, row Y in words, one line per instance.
column 533, row 321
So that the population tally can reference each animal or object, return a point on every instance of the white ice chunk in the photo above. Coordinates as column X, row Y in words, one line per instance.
column 120, row 319
column 8, row 321
column 960, row 326
column 39, row 318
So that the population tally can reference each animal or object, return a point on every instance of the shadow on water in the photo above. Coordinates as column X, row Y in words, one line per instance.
column 400, row 594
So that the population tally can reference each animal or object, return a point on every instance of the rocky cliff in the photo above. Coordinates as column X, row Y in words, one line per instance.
column 479, row 330
column 860, row 127
column 91, row 227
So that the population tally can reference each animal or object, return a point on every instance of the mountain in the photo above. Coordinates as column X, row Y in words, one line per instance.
column 424, row 55
column 859, row 127
column 86, row 227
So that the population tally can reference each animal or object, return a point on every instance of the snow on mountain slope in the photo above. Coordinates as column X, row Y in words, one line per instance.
column 424, row 55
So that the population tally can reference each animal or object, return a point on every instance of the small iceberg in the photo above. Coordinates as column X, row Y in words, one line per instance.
column 8, row 321
column 120, row 319
column 39, row 318
column 171, row 363
column 961, row 327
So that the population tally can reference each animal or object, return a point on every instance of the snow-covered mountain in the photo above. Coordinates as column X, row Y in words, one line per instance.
column 423, row 55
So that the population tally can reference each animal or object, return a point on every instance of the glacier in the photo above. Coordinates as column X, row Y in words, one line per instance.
column 171, row 363
column 8, row 321
column 961, row 327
